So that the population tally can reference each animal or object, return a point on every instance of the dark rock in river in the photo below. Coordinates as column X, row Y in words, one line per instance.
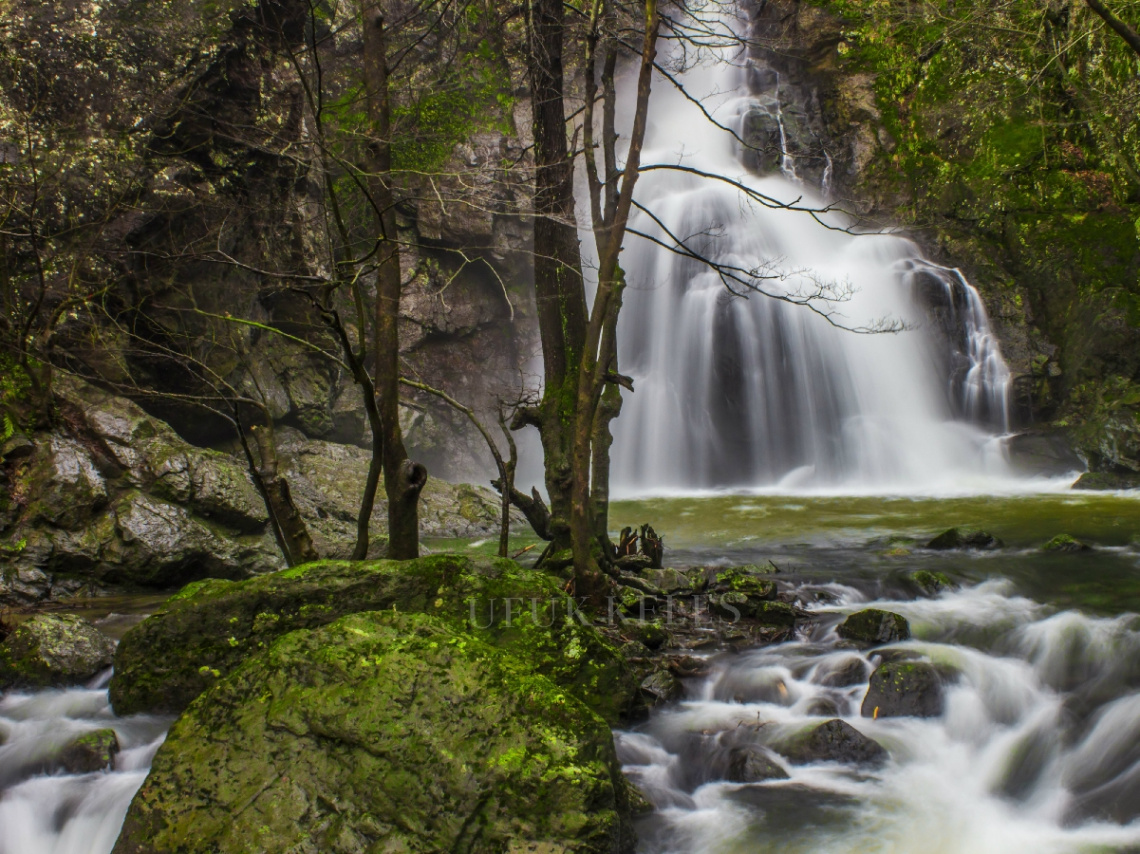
column 964, row 538
column 383, row 732
column 842, row 674
column 90, row 752
column 833, row 741
column 904, row 689
column 1065, row 543
column 874, row 626
column 750, row 764
column 930, row 583
column 207, row 630
column 661, row 687
column 1100, row 480
column 52, row 650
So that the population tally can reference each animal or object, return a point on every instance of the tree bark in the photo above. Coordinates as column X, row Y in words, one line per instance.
column 403, row 479
column 292, row 533
column 559, row 289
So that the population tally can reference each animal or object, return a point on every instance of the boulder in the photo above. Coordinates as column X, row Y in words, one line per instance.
column 832, row 741
column 668, row 581
column 53, row 650
column 842, row 674
column 383, row 732
column 930, row 583
column 1063, row 543
column 210, row 627
column 964, row 538
column 90, row 752
column 750, row 764
column 904, row 689
column 661, row 687
column 1108, row 481
column 874, row 626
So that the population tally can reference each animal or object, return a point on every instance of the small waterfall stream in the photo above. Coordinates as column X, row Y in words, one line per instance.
column 745, row 390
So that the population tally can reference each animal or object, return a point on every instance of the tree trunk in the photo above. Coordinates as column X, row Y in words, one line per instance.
column 403, row 479
column 559, row 290
column 1130, row 36
column 289, row 526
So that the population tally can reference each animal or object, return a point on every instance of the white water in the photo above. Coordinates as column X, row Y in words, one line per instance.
column 754, row 392
column 46, row 811
column 1038, row 749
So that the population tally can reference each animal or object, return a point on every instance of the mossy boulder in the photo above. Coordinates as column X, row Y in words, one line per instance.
column 383, row 732
column 874, row 626
column 1064, row 543
column 964, row 538
column 668, row 581
column 905, row 689
column 832, row 741
column 52, row 650
column 90, row 752
column 930, row 583
column 210, row 627
column 750, row 580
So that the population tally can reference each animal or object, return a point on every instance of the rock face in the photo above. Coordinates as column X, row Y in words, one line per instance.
column 50, row 650
column 833, row 741
column 93, row 751
column 119, row 500
column 904, row 689
column 211, row 627
column 964, row 538
column 874, row 626
column 383, row 732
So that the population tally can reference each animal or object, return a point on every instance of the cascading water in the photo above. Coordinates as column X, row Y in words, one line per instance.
column 1036, row 750
column 761, row 392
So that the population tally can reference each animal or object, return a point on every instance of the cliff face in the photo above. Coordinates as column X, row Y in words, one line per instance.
column 166, row 140
column 1006, row 142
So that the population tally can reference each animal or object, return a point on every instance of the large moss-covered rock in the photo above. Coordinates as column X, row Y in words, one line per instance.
column 210, row 627
column 382, row 732
column 873, row 625
column 905, row 689
column 52, row 650
column 1065, row 544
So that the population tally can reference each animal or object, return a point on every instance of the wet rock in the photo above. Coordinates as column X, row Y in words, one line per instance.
column 749, row 579
column 832, row 741
column 750, row 764
column 821, row 707
column 904, row 689
column 668, row 581
column 210, row 627
column 633, row 563
column 383, row 732
column 90, row 752
column 850, row 671
column 1114, row 481
column 874, row 626
column 964, row 538
column 1063, row 543
column 652, row 634
column 1042, row 454
column 53, row 650
column 661, row 687
column 687, row 666
column 930, row 583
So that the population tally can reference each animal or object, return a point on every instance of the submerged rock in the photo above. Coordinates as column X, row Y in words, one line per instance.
column 964, row 538
column 904, row 689
column 874, row 626
column 52, row 650
column 211, row 627
column 1065, row 543
column 750, row 764
column 90, row 752
column 383, row 732
column 832, row 741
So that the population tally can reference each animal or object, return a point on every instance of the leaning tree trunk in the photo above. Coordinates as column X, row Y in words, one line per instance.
column 559, row 291
column 289, row 526
column 403, row 479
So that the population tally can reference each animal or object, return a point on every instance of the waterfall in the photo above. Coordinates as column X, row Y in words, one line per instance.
column 741, row 390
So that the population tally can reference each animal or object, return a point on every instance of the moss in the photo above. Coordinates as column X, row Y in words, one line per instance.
column 210, row 628
column 874, row 626
column 382, row 731
column 52, row 650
